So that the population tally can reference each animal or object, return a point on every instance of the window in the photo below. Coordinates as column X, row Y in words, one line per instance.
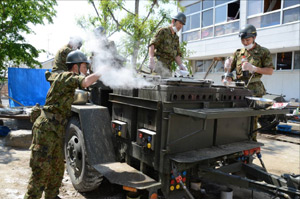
column 268, row 12
column 265, row 20
column 209, row 18
column 284, row 61
column 207, row 4
column 221, row 14
column 291, row 15
column 202, row 65
column 297, row 60
column 288, row 3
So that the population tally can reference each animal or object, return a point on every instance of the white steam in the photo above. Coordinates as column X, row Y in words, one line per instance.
column 108, row 63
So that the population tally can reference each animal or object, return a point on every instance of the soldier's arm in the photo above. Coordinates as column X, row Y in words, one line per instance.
column 90, row 79
column 267, row 64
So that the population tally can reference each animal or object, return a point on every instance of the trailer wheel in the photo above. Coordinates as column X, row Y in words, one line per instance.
column 83, row 176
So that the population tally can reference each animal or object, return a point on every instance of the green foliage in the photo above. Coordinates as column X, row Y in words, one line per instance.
column 139, row 27
column 15, row 18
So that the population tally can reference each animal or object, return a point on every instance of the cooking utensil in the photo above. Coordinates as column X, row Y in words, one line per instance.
column 81, row 97
column 259, row 103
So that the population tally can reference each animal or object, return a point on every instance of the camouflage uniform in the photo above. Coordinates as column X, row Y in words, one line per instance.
column 59, row 63
column 166, row 47
column 47, row 161
column 259, row 57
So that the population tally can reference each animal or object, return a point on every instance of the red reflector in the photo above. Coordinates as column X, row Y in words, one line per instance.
column 113, row 125
column 140, row 135
column 178, row 179
column 172, row 182
column 183, row 179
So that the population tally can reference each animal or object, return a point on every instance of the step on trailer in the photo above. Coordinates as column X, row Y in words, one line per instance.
column 160, row 139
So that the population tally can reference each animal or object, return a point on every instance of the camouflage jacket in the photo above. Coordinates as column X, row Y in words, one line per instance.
column 61, row 94
column 259, row 57
column 166, row 45
column 60, row 59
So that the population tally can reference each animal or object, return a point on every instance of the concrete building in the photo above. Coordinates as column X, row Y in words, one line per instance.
column 212, row 31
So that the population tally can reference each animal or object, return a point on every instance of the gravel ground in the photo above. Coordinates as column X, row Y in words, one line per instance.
column 279, row 157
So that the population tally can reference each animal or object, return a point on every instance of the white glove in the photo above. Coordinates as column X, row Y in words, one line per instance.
column 151, row 63
column 249, row 67
column 182, row 67
column 227, row 64
column 181, row 73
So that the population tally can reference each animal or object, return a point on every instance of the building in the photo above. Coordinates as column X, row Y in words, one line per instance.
column 212, row 30
column 48, row 64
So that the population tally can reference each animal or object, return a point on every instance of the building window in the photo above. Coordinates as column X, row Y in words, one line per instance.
column 211, row 18
column 291, row 15
column 202, row 65
column 264, row 13
column 297, row 60
column 284, row 61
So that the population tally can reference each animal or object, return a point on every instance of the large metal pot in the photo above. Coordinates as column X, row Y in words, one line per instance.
column 81, row 97
column 260, row 103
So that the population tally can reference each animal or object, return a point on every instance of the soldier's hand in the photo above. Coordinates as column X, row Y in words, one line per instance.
column 182, row 67
column 247, row 66
column 227, row 64
column 151, row 63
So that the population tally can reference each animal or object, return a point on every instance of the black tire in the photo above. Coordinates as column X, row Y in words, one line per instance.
column 83, row 176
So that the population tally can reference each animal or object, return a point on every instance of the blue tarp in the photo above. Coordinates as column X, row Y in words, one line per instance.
column 27, row 86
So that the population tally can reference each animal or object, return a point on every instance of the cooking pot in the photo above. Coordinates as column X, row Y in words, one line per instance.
column 81, row 97
column 259, row 103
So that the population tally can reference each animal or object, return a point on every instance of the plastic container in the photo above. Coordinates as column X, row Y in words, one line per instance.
column 4, row 130
column 284, row 128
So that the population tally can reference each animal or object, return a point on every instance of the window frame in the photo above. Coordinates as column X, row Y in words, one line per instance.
column 281, row 10
column 213, row 8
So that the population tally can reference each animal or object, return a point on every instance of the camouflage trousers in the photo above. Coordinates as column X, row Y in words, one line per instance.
column 46, row 161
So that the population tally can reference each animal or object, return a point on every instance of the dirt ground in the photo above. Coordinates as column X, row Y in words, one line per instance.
column 279, row 157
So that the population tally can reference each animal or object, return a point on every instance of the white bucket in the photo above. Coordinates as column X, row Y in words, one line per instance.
column 227, row 194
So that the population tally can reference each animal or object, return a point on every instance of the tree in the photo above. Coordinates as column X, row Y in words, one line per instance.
column 138, row 27
column 16, row 17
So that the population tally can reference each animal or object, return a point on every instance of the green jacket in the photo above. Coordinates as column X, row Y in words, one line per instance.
column 60, row 59
column 259, row 57
column 166, row 46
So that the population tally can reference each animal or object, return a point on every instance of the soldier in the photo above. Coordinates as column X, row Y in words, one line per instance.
column 61, row 56
column 164, row 47
column 47, row 161
column 253, row 58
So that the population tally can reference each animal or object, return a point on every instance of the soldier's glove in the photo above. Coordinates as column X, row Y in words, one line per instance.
column 182, row 67
column 151, row 63
column 247, row 66
column 181, row 73
column 227, row 64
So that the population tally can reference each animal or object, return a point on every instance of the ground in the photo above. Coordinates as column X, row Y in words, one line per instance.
column 279, row 157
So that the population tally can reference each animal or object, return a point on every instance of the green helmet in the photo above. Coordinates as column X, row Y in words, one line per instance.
column 76, row 57
column 180, row 17
column 248, row 31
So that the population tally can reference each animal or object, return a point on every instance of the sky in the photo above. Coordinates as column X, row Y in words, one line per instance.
column 51, row 37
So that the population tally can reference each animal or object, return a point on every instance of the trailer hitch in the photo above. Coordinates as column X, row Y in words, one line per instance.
column 179, row 180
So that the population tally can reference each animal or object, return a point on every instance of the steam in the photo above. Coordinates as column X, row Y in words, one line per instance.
column 108, row 63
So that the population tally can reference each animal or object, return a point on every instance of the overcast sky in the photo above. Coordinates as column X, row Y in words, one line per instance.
column 51, row 37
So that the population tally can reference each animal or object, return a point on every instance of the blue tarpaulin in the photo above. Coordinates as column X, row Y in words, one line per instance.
column 27, row 86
